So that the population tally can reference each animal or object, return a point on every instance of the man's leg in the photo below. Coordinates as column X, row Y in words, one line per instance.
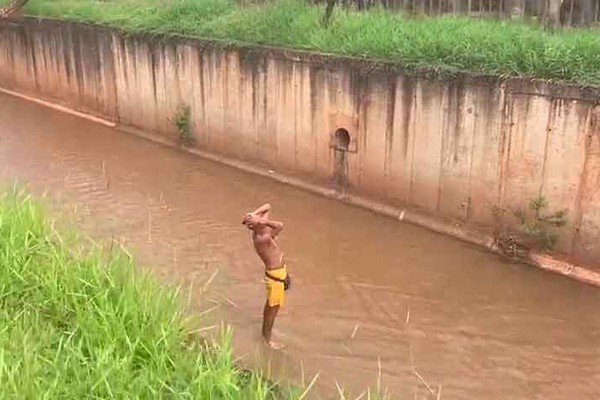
column 269, row 314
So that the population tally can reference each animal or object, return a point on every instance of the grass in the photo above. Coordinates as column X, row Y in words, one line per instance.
column 79, row 322
column 450, row 43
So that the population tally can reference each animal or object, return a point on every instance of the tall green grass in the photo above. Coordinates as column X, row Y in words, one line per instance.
column 80, row 323
column 451, row 43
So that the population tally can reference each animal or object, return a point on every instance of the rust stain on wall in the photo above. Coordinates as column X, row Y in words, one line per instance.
column 389, row 131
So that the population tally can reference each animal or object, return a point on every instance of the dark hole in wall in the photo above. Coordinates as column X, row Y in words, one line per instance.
column 342, row 139
column 340, row 146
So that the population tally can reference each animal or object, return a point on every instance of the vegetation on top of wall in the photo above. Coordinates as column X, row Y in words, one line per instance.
column 448, row 43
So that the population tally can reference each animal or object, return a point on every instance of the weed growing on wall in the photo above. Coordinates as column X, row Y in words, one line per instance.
column 182, row 122
column 536, row 228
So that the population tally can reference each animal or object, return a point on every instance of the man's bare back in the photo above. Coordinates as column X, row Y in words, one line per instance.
column 264, row 232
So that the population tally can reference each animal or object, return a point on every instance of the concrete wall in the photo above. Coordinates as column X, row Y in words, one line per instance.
column 456, row 147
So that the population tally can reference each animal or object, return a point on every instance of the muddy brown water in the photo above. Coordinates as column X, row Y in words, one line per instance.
column 371, row 296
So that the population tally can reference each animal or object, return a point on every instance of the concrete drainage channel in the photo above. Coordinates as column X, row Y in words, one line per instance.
column 455, row 148
column 409, row 215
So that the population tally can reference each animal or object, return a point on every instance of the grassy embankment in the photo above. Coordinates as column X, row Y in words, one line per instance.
column 450, row 43
column 79, row 322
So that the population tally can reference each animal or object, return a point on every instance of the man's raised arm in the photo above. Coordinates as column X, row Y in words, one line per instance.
column 276, row 226
column 260, row 212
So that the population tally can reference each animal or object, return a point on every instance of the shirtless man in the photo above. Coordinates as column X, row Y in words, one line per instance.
column 264, row 232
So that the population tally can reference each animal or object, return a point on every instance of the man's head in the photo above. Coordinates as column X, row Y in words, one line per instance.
column 256, row 224
column 247, row 220
column 251, row 225
column 251, row 222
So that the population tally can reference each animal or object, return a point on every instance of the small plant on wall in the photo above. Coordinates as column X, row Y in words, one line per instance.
column 536, row 228
column 182, row 122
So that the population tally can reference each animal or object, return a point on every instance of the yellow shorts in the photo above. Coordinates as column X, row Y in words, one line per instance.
column 275, row 289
